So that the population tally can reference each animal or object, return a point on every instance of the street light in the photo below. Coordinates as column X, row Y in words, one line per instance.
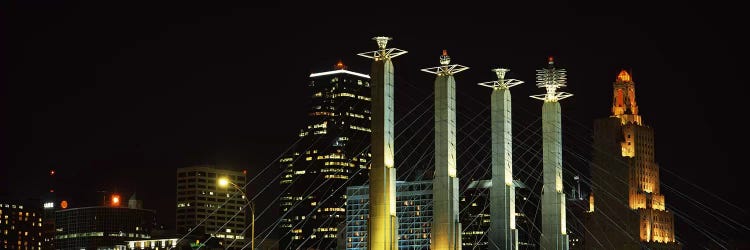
column 224, row 182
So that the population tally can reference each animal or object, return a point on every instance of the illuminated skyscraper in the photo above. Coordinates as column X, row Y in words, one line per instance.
column 332, row 154
column 625, row 180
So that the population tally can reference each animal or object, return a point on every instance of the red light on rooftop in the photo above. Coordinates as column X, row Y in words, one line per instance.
column 64, row 204
column 244, row 172
column 551, row 59
column 52, row 172
column 340, row 65
column 51, row 190
column 445, row 52
column 115, row 200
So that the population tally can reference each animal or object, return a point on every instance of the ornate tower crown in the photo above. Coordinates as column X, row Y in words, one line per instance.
column 623, row 101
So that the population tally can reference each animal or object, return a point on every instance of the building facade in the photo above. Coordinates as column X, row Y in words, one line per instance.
column 332, row 154
column 413, row 209
column 101, row 227
column 475, row 216
column 625, row 180
column 205, row 209
column 20, row 227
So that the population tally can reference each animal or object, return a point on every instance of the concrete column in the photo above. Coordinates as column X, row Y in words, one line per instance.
column 446, row 229
column 383, row 225
column 554, row 235
column 502, row 193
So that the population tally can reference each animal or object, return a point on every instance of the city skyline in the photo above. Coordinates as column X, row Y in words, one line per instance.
column 103, row 102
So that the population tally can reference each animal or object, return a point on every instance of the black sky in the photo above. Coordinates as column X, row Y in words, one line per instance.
column 116, row 97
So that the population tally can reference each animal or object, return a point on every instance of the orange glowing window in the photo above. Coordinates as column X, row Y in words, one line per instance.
column 623, row 76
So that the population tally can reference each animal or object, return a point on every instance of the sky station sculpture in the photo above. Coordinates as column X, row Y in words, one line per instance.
column 382, row 231
column 554, row 232
column 446, row 228
column 502, row 233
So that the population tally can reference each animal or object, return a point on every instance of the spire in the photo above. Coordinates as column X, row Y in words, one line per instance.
column 623, row 102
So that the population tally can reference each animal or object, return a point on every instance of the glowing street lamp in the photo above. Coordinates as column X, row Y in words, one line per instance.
column 225, row 182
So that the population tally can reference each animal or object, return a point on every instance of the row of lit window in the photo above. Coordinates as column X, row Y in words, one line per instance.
column 287, row 159
column 332, row 209
column 322, row 113
column 332, row 170
column 25, row 245
column 101, row 234
column 25, row 233
column 355, row 115
column 336, row 176
column 359, row 128
column 152, row 243
column 338, row 163
column 319, row 125
column 11, row 206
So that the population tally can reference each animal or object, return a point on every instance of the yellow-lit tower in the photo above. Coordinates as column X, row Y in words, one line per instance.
column 554, row 232
column 502, row 233
column 382, row 227
column 625, row 179
column 446, row 228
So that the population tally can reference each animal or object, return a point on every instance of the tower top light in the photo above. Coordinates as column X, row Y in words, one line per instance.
column 446, row 68
column 551, row 79
column 501, row 82
column 383, row 51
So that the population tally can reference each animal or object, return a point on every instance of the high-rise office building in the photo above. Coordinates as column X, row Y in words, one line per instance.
column 413, row 210
column 102, row 227
column 207, row 209
column 333, row 153
column 475, row 216
column 627, row 208
column 20, row 227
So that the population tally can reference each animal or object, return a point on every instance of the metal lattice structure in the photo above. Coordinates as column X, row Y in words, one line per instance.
column 501, row 82
column 551, row 79
column 383, row 52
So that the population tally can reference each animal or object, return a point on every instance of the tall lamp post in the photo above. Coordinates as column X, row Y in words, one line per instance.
column 224, row 182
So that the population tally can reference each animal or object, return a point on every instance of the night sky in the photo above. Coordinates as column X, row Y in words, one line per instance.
column 117, row 97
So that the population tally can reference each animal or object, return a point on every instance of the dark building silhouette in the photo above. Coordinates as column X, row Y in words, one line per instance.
column 475, row 216
column 627, row 208
column 333, row 153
